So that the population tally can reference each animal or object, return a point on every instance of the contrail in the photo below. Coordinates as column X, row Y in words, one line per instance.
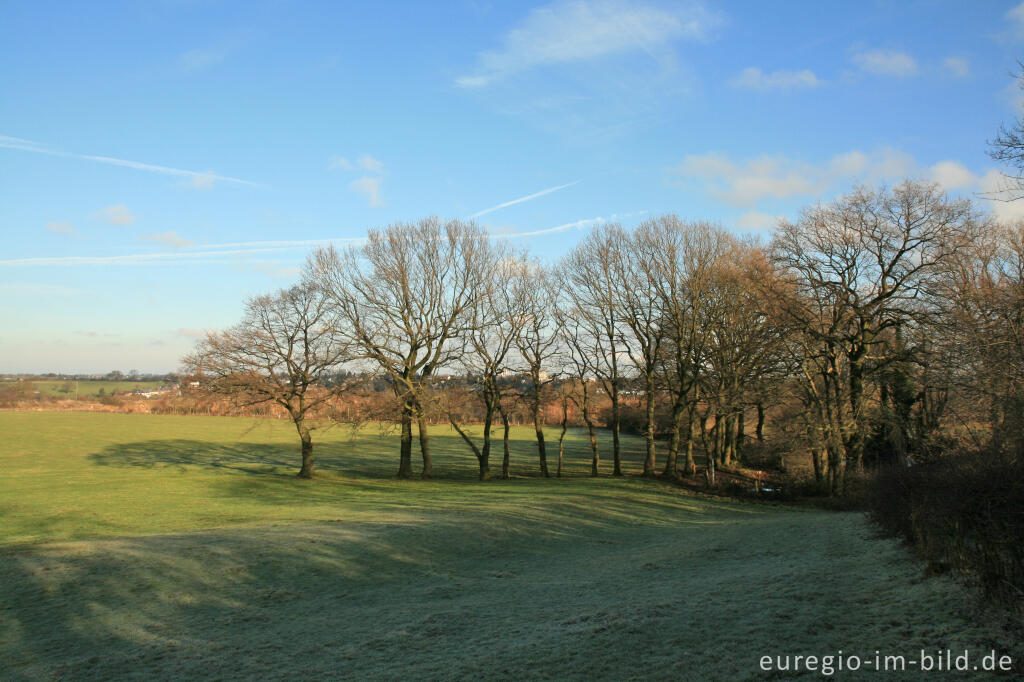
column 199, row 253
column 200, row 176
column 520, row 200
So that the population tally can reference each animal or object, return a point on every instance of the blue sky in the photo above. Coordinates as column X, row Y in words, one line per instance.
column 161, row 161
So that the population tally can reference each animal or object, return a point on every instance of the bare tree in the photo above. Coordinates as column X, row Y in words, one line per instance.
column 498, row 318
column 853, row 270
column 982, row 307
column 579, row 344
column 537, row 342
column 285, row 344
column 1008, row 147
column 643, row 318
column 590, row 286
column 407, row 296
column 746, row 343
column 683, row 260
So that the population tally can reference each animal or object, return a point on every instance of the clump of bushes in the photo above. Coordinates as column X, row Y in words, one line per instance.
column 963, row 512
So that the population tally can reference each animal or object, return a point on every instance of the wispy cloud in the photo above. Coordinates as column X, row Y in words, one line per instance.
column 565, row 227
column 756, row 221
column 365, row 162
column 528, row 197
column 578, row 30
column 61, row 228
column 370, row 164
column 118, row 214
column 748, row 182
column 886, row 63
column 754, row 78
column 200, row 179
column 368, row 187
column 201, row 58
column 171, row 239
column 339, row 163
column 1015, row 19
column 957, row 67
column 201, row 253
column 745, row 183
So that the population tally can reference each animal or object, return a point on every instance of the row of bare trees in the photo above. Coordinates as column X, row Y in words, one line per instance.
column 861, row 318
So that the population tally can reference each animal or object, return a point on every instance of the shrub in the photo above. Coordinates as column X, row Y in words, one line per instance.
column 963, row 511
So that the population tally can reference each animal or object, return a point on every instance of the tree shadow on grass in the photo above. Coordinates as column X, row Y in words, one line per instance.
column 250, row 458
column 366, row 455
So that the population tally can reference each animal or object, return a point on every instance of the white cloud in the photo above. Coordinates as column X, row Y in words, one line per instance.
column 118, row 214
column 368, row 187
column 1016, row 18
column 745, row 183
column 886, row 63
column 528, row 197
column 756, row 221
column 8, row 142
column 1001, row 191
column 172, row 239
column 850, row 163
column 952, row 175
column 60, row 228
column 339, row 163
column 370, row 164
column 957, row 67
column 579, row 30
column 202, row 180
column 756, row 79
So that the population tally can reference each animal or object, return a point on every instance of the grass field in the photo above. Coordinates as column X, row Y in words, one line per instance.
column 165, row 547
column 89, row 389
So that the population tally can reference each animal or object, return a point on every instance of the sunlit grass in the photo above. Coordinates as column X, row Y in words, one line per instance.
column 84, row 475
column 185, row 548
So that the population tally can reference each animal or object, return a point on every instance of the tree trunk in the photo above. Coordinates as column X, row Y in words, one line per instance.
column 505, row 462
column 421, row 421
column 481, row 456
column 595, row 462
column 836, row 470
column 307, row 447
column 541, row 449
column 855, row 441
column 718, row 439
column 485, row 454
column 691, row 465
column 730, row 439
column 760, row 421
column 405, row 463
column 671, row 460
column 561, row 436
column 616, row 445
column 649, row 460
column 741, row 435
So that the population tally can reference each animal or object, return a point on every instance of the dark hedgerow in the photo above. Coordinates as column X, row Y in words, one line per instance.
column 965, row 512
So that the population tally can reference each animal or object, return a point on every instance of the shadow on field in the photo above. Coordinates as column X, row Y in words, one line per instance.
column 317, row 600
column 251, row 458
column 206, row 605
column 366, row 455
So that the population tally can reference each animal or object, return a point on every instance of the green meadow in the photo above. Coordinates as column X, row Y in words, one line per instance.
column 67, row 388
column 183, row 547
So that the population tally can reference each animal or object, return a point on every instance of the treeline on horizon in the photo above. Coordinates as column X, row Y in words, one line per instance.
column 881, row 328
column 881, row 333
